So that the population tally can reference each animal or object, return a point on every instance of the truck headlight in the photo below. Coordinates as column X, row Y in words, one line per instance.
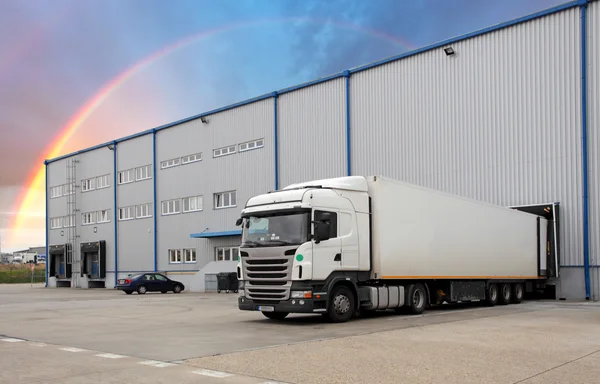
column 301, row 294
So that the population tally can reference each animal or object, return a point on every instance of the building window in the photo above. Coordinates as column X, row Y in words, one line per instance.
column 88, row 185
column 55, row 222
column 142, row 173
column 226, row 253
column 126, row 176
column 174, row 256
column 69, row 221
column 88, row 218
column 126, row 213
column 193, row 204
column 224, row 151
column 56, row 192
column 225, row 199
column 189, row 255
column 171, row 207
column 102, row 181
column 103, row 216
column 169, row 163
column 143, row 210
column 254, row 144
column 191, row 158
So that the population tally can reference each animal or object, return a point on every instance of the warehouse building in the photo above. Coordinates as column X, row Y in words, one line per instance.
column 507, row 115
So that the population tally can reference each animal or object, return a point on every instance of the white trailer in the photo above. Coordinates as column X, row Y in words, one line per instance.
column 346, row 245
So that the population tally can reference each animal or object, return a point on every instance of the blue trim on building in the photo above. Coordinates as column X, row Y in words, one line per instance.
column 341, row 74
column 115, row 210
column 347, row 75
column 276, row 139
column 584, row 148
column 208, row 235
column 47, row 229
column 154, row 218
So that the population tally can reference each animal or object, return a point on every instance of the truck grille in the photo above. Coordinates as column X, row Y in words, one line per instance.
column 267, row 278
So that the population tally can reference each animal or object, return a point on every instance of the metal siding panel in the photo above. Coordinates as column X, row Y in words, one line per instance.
column 249, row 173
column 136, row 250
column 498, row 122
column 312, row 132
column 593, row 101
column 207, row 247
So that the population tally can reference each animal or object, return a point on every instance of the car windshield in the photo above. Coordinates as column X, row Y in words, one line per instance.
column 276, row 230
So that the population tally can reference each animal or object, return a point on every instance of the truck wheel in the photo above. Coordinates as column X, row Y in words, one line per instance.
column 417, row 298
column 517, row 293
column 491, row 294
column 276, row 315
column 505, row 294
column 341, row 304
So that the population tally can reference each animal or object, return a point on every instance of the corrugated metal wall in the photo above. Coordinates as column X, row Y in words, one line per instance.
column 312, row 133
column 593, row 81
column 499, row 121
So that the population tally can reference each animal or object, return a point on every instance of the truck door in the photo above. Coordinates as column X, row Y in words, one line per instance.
column 327, row 254
column 349, row 238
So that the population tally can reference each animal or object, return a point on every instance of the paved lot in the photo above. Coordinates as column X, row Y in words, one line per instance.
column 78, row 336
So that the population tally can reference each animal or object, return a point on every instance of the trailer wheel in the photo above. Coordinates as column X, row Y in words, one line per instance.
column 417, row 298
column 505, row 294
column 341, row 306
column 517, row 293
column 491, row 294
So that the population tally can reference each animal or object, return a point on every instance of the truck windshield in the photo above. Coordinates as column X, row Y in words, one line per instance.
column 276, row 230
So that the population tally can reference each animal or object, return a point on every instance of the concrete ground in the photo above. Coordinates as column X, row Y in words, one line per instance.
column 77, row 336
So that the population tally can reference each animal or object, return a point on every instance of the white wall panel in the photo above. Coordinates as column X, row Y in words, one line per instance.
column 312, row 133
column 498, row 122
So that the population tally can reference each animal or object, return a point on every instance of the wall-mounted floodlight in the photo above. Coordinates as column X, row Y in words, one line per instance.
column 449, row 51
column 95, row 229
column 203, row 119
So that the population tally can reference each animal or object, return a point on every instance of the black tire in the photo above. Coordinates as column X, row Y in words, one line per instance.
column 341, row 305
column 163, row 291
column 276, row 315
column 177, row 289
column 518, row 292
column 141, row 290
column 128, row 292
column 416, row 298
column 218, row 291
column 491, row 295
column 505, row 294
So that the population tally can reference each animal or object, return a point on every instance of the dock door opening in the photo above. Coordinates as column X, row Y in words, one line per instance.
column 58, row 264
column 93, row 262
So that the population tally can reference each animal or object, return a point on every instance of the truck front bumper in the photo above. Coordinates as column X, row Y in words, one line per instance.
column 291, row 306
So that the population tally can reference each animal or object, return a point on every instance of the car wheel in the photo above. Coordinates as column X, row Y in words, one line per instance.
column 163, row 291
column 177, row 288
column 141, row 289
column 128, row 292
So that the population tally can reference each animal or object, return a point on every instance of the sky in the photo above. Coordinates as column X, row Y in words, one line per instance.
column 131, row 65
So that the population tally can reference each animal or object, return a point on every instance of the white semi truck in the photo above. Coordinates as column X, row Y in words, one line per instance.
column 347, row 245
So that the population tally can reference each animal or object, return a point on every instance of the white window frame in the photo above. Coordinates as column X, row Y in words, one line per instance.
column 68, row 221
column 250, row 145
column 220, row 197
column 56, row 222
column 196, row 201
column 88, row 218
column 224, row 151
column 224, row 249
column 88, row 184
column 100, row 214
column 127, row 176
column 102, row 181
column 190, row 256
column 143, row 173
column 143, row 211
column 176, row 207
column 175, row 254
column 56, row 192
column 126, row 213
column 193, row 158
column 170, row 163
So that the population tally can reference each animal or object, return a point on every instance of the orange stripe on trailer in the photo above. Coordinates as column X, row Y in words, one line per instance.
column 461, row 277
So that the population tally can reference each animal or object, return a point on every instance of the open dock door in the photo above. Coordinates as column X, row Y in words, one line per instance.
column 58, row 265
column 93, row 260
column 550, row 212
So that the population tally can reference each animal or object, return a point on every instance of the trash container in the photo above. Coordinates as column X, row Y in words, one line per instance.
column 227, row 281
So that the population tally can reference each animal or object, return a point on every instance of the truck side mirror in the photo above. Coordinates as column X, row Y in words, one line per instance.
column 321, row 232
column 238, row 222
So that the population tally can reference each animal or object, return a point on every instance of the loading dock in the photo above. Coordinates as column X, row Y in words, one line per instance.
column 93, row 263
column 59, row 265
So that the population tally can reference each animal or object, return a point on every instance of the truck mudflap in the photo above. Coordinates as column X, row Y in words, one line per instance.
column 290, row 306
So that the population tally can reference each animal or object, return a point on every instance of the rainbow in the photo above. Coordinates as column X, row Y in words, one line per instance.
column 29, row 202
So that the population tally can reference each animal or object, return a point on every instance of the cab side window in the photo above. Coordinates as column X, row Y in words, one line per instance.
column 330, row 218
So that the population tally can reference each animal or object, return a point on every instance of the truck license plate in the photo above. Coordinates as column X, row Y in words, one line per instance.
column 266, row 308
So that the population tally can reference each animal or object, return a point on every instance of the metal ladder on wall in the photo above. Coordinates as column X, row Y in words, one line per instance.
column 71, row 220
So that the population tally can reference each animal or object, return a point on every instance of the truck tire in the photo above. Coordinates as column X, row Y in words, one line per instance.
column 505, row 295
column 517, row 293
column 342, row 305
column 416, row 298
column 276, row 315
column 491, row 294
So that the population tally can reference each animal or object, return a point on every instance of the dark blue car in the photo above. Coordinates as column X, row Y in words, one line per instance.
column 149, row 282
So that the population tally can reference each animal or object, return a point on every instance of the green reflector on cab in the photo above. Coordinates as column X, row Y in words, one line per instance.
column 299, row 257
